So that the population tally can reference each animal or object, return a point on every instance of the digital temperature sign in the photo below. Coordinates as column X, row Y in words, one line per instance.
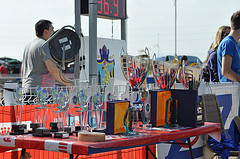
column 115, row 9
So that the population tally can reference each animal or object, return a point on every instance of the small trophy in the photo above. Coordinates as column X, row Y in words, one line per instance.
column 63, row 109
column 190, row 76
column 54, row 92
column 42, row 99
column 82, row 99
column 97, row 100
column 18, row 128
column 36, row 124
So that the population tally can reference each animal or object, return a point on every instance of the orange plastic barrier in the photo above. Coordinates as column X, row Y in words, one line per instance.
column 133, row 153
column 7, row 118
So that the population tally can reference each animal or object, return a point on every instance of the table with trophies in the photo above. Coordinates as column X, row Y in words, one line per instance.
column 72, row 145
column 112, row 117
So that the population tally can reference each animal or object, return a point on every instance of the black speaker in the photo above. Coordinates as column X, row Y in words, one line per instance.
column 66, row 41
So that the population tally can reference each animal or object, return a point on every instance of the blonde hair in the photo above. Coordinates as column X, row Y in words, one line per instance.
column 219, row 37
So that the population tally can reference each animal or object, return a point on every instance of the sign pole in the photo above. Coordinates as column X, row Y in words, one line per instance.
column 78, row 31
column 123, row 30
column 175, row 28
column 92, row 42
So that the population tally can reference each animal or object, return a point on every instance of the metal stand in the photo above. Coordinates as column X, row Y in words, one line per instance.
column 188, row 143
column 190, row 148
column 23, row 152
column 72, row 156
column 149, row 150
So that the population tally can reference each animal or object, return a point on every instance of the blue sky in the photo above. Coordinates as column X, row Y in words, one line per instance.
column 150, row 24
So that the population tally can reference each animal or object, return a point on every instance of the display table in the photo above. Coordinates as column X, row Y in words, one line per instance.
column 113, row 142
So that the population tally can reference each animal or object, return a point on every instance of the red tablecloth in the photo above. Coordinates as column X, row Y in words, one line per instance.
column 73, row 146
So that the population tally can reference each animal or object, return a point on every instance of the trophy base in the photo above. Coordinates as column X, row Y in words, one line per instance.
column 78, row 128
column 171, row 126
column 34, row 126
column 132, row 133
column 68, row 130
column 42, row 132
column 42, row 135
column 145, row 126
column 19, row 129
column 31, row 131
column 99, row 130
column 18, row 133
column 76, row 132
column 62, row 135
column 54, row 126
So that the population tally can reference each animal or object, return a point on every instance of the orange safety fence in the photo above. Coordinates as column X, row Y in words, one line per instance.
column 7, row 118
column 133, row 153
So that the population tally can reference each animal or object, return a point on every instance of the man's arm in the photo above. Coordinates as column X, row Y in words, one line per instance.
column 56, row 73
column 226, row 69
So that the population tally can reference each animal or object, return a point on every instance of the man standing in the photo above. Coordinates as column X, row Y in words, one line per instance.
column 3, row 69
column 228, row 53
column 38, row 69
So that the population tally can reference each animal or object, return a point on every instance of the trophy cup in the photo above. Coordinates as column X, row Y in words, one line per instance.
column 190, row 76
column 82, row 98
column 97, row 102
column 135, row 70
column 54, row 92
column 42, row 99
column 164, row 72
column 35, row 124
column 18, row 128
column 63, row 109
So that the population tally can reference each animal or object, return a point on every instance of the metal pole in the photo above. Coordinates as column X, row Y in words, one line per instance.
column 175, row 28
column 112, row 28
column 158, row 44
column 123, row 30
column 92, row 42
column 78, row 31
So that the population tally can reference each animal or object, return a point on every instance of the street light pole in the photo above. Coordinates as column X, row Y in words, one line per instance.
column 175, row 28
column 92, row 42
column 78, row 31
column 158, row 44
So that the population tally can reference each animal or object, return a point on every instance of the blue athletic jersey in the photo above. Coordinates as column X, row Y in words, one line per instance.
column 228, row 46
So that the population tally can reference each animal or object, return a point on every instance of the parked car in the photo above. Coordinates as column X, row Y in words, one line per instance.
column 191, row 59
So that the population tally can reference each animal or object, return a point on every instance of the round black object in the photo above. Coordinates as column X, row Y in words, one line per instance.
column 70, row 40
